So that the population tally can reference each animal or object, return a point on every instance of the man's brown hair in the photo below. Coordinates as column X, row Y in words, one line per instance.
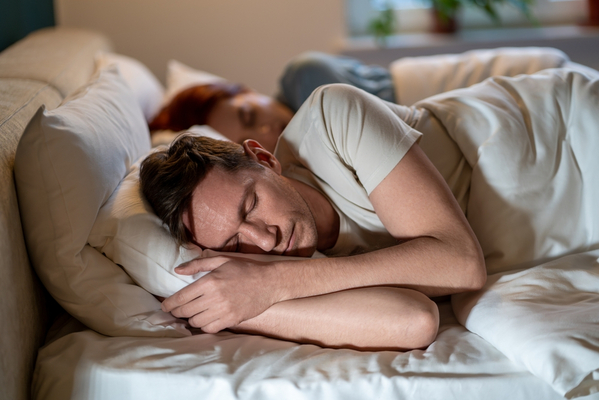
column 192, row 105
column 168, row 177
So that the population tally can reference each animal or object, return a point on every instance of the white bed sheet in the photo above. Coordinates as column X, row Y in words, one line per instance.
column 458, row 365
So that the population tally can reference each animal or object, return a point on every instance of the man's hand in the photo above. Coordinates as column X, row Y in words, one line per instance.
column 235, row 290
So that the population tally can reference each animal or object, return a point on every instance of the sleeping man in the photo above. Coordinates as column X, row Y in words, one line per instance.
column 348, row 180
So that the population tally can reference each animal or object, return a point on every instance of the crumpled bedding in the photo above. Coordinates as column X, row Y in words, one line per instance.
column 545, row 319
column 459, row 365
column 532, row 142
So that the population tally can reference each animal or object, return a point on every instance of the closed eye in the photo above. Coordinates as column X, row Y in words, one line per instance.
column 251, row 205
column 254, row 202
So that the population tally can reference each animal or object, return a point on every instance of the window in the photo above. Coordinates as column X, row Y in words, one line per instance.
column 414, row 15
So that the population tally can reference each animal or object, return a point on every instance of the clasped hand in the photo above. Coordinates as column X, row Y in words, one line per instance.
column 235, row 290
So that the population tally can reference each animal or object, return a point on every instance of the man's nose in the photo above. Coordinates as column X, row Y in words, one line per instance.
column 260, row 234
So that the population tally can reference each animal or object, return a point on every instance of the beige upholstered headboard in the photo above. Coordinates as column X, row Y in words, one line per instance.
column 43, row 68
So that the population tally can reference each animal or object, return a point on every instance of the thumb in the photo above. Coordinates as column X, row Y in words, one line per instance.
column 200, row 264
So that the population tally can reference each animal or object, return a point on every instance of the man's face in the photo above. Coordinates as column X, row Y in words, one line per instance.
column 250, row 211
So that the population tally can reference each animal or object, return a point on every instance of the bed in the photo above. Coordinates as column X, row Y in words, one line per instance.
column 530, row 333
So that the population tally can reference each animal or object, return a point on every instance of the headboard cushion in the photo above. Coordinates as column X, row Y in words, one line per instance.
column 24, row 68
column 61, row 57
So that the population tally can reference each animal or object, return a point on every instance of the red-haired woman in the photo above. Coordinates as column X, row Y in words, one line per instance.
column 232, row 109
column 240, row 113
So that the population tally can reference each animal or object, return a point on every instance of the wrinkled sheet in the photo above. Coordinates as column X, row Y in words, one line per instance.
column 458, row 365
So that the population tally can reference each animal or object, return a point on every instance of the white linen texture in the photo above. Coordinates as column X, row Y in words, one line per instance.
column 459, row 365
column 180, row 77
column 531, row 142
column 544, row 318
column 147, row 89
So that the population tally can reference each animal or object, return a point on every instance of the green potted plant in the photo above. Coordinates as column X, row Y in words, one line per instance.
column 445, row 11
column 383, row 25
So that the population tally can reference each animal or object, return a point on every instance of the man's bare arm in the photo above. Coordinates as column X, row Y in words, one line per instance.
column 381, row 318
column 438, row 255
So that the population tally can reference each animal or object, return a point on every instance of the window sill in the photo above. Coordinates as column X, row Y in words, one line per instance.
column 581, row 43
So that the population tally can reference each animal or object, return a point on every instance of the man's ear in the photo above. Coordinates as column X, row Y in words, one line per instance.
column 262, row 156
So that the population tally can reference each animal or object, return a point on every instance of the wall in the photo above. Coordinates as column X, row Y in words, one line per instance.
column 246, row 41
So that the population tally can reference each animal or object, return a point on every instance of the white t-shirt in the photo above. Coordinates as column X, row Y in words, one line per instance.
column 344, row 142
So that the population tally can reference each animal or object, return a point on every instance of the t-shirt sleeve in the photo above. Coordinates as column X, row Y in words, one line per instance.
column 342, row 133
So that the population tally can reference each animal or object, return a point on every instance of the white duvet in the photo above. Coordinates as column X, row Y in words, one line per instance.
column 533, row 145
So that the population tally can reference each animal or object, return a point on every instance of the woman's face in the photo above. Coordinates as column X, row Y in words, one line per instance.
column 250, row 115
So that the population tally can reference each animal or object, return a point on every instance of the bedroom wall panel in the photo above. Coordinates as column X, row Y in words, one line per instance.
column 245, row 41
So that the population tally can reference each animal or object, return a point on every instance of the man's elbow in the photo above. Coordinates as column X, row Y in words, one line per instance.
column 425, row 325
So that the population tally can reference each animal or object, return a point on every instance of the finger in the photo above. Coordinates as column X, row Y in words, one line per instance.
column 192, row 291
column 188, row 310
column 215, row 326
column 202, row 320
column 205, row 264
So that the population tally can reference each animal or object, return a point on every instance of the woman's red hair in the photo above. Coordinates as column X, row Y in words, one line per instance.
column 193, row 105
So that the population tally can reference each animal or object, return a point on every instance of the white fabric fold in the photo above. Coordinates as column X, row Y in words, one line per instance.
column 531, row 142
column 545, row 318
column 225, row 366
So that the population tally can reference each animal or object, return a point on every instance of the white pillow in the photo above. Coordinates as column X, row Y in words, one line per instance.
column 416, row 78
column 68, row 163
column 148, row 91
column 179, row 77
column 128, row 232
column 545, row 319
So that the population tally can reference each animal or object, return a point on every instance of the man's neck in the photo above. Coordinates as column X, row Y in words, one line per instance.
column 325, row 216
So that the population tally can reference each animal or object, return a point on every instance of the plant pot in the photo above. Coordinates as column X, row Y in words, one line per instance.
column 446, row 24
